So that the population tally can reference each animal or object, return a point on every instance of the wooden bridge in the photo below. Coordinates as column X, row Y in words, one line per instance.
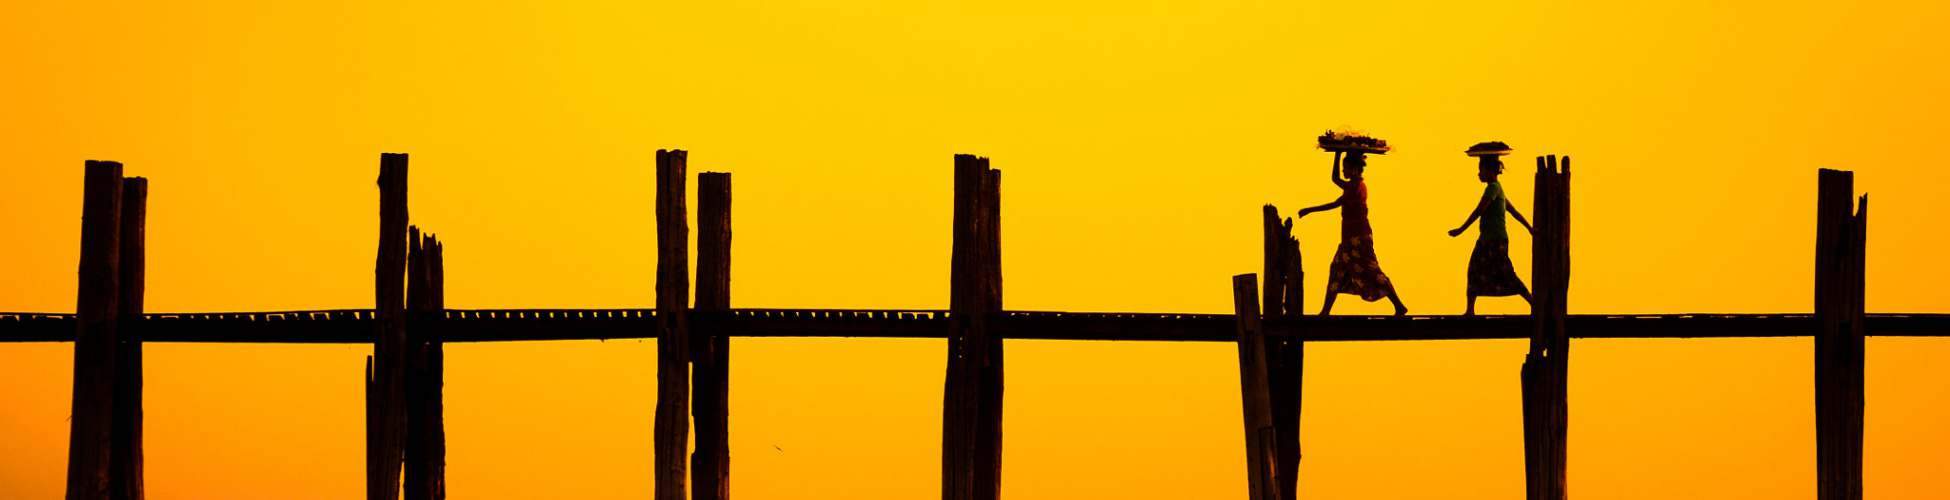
column 406, row 438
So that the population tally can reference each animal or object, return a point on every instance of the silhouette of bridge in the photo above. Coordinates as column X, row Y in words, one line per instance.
column 356, row 326
column 409, row 324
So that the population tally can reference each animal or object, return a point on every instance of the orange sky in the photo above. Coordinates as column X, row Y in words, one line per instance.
column 1138, row 141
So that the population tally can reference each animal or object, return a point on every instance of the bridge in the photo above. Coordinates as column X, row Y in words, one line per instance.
column 356, row 326
column 409, row 325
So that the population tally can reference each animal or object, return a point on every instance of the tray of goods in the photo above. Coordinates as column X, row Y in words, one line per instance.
column 1352, row 142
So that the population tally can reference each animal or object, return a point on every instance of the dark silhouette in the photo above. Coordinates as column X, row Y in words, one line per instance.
column 1356, row 270
column 410, row 322
column 1490, row 272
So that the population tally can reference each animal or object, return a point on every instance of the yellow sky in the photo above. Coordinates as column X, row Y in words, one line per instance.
column 1138, row 140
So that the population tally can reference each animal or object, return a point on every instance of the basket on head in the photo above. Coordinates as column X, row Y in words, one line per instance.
column 1490, row 148
column 1351, row 142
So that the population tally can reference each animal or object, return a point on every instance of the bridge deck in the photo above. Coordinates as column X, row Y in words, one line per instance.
column 354, row 326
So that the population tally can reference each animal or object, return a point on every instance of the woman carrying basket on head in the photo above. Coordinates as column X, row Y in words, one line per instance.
column 1490, row 272
column 1355, row 270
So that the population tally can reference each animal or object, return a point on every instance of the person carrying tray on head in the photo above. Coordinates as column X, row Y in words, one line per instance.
column 1355, row 270
column 1490, row 272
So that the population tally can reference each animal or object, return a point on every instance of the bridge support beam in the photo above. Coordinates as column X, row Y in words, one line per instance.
column 971, row 448
column 1262, row 454
column 1545, row 367
column 386, row 368
column 125, row 450
column 711, row 349
column 1840, row 239
column 91, row 423
column 426, row 434
column 1286, row 355
column 673, row 333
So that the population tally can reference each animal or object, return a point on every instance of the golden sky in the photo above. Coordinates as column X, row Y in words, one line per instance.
column 1138, row 140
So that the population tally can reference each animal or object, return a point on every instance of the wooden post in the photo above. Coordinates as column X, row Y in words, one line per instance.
column 385, row 384
column 673, row 337
column 125, row 454
column 426, row 436
column 1839, row 262
column 1261, row 453
column 91, row 420
column 972, row 400
column 1545, row 367
column 988, row 425
column 1285, row 355
column 711, row 350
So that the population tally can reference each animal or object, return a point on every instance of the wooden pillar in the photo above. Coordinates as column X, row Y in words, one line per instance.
column 1544, row 374
column 1286, row 355
column 673, row 337
column 386, row 369
column 125, row 454
column 426, row 435
column 711, row 350
column 972, row 400
column 97, row 293
column 1839, row 262
column 988, row 425
column 1261, row 451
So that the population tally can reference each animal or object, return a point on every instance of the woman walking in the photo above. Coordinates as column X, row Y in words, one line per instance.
column 1490, row 272
column 1355, row 270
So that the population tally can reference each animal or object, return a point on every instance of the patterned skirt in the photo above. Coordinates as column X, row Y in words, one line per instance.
column 1356, row 271
column 1490, row 272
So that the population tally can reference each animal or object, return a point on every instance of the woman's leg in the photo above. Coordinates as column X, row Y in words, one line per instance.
column 1327, row 303
column 1470, row 310
column 1400, row 310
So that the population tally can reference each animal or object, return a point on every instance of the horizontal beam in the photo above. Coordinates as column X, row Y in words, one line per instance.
column 502, row 325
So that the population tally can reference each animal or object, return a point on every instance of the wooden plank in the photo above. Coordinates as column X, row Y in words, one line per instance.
column 385, row 387
column 340, row 327
column 1285, row 355
column 1839, row 340
column 1261, row 477
column 711, row 348
column 958, row 403
column 989, row 365
column 125, row 454
column 96, row 294
column 972, row 396
column 426, row 435
column 1545, row 367
column 673, row 340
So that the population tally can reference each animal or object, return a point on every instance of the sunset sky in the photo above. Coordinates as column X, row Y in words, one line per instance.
column 1138, row 140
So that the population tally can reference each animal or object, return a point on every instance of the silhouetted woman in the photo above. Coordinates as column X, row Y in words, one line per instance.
column 1490, row 272
column 1355, row 269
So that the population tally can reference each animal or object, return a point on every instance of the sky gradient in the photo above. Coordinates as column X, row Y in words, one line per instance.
column 1138, row 139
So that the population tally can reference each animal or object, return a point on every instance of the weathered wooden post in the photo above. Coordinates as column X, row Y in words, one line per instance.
column 1262, row 477
column 386, row 368
column 426, row 435
column 673, row 337
column 91, row 422
column 972, row 400
column 1286, row 355
column 988, row 428
column 1544, row 373
column 1839, row 263
column 125, row 454
column 711, row 350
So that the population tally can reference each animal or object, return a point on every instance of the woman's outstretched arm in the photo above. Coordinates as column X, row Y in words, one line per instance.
column 1519, row 217
column 1473, row 214
column 1320, row 208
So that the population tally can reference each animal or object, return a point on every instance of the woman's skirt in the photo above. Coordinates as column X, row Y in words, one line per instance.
column 1490, row 272
column 1356, row 271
